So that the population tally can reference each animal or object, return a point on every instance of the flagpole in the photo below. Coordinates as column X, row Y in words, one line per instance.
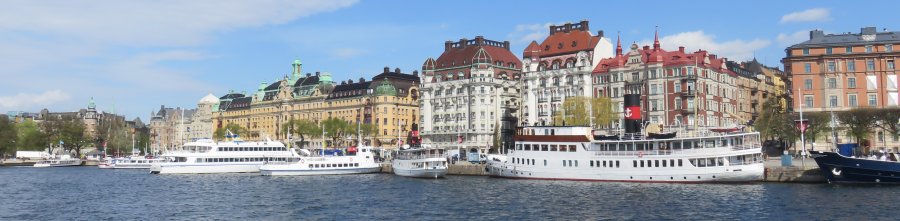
column 802, row 129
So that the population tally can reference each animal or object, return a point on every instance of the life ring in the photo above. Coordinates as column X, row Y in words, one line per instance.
column 640, row 153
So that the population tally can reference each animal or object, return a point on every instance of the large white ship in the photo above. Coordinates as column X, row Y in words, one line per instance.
column 423, row 162
column 576, row 153
column 206, row 156
column 363, row 161
column 62, row 161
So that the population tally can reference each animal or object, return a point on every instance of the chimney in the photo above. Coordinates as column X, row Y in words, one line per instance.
column 397, row 70
column 317, row 73
column 816, row 34
column 350, row 81
column 600, row 33
column 362, row 80
column 386, row 69
column 463, row 42
column 584, row 26
column 646, row 47
column 712, row 57
column 416, row 73
column 308, row 74
column 479, row 40
column 506, row 45
column 681, row 49
column 343, row 82
column 447, row 45
column 867, row 31
column 552, row 29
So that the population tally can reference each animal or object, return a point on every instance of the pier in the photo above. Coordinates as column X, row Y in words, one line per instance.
column 799, row 172
column 461, row 168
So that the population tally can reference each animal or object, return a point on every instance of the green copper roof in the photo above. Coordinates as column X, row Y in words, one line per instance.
column 91, row 104
column 386, row 89
column 325, row 78
column 297, row 62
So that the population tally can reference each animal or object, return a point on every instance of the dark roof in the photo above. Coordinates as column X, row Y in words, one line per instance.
column 273, row 86
column 350, row 90
column 306, row 81
column 237, row 103
column 819, row 38
column 395, row 75
column 232, row 96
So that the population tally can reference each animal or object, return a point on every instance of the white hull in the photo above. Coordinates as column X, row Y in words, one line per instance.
column 740, row 173
column 287, row 171
column 64, row 163
column 432, row 168
column 191, row 168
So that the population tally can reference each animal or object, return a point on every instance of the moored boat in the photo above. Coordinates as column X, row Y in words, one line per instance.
column 63, row 161
column 363, row 161
column 207, row 156
column 421, row 162
column 841, row 169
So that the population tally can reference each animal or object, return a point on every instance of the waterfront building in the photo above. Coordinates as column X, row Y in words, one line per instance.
column 677, row 88
column 837, row 72
column 92, row 118
column 470, row 95
column 389, row 101
column 559, row 67
column 757, row 84
column 168, row 131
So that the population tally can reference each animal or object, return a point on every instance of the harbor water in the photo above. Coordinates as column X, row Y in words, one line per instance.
column 88, row 193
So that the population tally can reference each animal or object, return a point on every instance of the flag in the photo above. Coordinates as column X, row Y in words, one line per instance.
column 459, row 138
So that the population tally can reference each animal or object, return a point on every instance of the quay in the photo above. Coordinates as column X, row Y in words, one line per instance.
column 460, row 168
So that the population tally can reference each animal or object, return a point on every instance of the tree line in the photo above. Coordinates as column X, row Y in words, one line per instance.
column 69, row 134
column 858, row 124
column 339, row 131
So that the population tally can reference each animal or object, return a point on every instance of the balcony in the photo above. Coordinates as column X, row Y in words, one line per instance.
column 543, row 114
column 690, row 77
column 688, row 93
column 688, row 111
column 542, row 100
column 556, row 99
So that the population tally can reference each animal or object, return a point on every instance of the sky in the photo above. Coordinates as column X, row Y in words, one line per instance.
column 133, row 56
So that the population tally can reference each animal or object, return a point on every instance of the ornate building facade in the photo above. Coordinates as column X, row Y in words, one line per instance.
column 389, row 101
column 168, row 131
column 560, row 67
column 470, row 95
column 677, row 88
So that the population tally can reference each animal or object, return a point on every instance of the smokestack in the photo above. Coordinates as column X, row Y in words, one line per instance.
column 632, row 113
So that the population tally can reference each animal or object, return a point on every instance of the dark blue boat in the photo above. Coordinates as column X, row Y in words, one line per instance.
column 840, row 169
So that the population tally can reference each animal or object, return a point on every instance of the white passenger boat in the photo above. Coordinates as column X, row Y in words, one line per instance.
column 206, row 156
column 573, row 153
column 423, row 162
column 133, row 162
column 62, row 161
column 306, row 164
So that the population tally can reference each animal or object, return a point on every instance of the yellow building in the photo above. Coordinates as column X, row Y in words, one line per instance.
column 389, row 101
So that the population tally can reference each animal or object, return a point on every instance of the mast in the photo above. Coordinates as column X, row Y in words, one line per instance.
column 802, row 129
column 182, row 126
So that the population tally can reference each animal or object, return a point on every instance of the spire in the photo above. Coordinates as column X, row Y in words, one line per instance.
column 656, row 39
column 618, row 43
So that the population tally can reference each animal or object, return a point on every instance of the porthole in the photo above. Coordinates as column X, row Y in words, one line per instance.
column 671, row 178
column 714, row 176
column 631, row 177
column 698, row 177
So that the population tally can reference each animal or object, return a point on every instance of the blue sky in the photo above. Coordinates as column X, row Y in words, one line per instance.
column 139, row 55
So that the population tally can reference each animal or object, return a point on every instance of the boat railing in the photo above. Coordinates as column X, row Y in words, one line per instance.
column 639, row 153
column 277, row 163
column 422, row 156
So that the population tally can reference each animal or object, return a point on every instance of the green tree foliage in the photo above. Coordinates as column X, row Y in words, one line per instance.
column 302, row 128
column 888, row 119
column 577, row 113
column 220, row 133
column 8, row 137
column 858, row 123
column 337, row 129
column 73, row 136
column 368, row 131
column 771, row 120
column 30, row 136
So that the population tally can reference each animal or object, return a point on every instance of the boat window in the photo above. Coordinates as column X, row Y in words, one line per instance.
column 545, row 162
column 664, row 163
column 617, row 164
column 688, row 144
column 553, row 147
column 656, row 163
column 635, row 163
column 544, row 147
column 564, row 163
column 710, row 144
column 576, row 163
column 604, row 163
column 674, row 145
column 720, row 161
column 592, row 163
column 572, row 148
column 518, row 146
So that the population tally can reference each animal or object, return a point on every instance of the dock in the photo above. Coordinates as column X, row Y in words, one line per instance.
column 460, row 168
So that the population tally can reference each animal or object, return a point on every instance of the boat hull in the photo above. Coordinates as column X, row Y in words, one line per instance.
column 183, row 168
column 67, row 164
column 841, row 169
column 287, row 170
column 730, row 174
column 421, row 173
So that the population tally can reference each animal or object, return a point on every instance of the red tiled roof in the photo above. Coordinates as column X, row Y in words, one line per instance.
column 564, row 39
column 668, row 58
column 461, row 55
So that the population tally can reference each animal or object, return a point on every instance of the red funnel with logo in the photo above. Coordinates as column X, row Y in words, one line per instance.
column 632, row 113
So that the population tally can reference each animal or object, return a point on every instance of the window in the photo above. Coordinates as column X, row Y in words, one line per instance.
column 890, row 64
column 851, row 82
column 868, row 49
column 827, row 50
column 873, row 100
column 807, row 84
column 807, row 100
column 870, row 65
column 806, row 51
column 888, row 48
column 807, row 67
column 832, row 101
column 831, row 66
column 832, row 83
column 851, row 65
column 851, row 100
column 849, row 49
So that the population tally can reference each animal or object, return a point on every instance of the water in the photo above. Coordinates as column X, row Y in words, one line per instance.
column 88, row 193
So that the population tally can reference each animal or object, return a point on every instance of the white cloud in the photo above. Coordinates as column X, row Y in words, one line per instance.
column 525, row 33
column 809, row 15
column 735, row 50
column 29, row 100
column 791, row 39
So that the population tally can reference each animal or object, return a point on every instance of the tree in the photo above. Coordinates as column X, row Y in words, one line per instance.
column 577, row 113
column 819, row 123
column 73, row 136
column 301, row 128
column 888, row 120
column 336, row 128
column 234, row 128
column 8, row 137
column 771, row 121
column 30, row 136
column 857, row 123
column 368, row 131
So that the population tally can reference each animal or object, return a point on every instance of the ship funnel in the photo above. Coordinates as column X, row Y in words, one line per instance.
column 632, row 113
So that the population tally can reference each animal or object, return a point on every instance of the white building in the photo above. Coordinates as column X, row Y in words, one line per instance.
column 470, row 95
column 560, row 67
